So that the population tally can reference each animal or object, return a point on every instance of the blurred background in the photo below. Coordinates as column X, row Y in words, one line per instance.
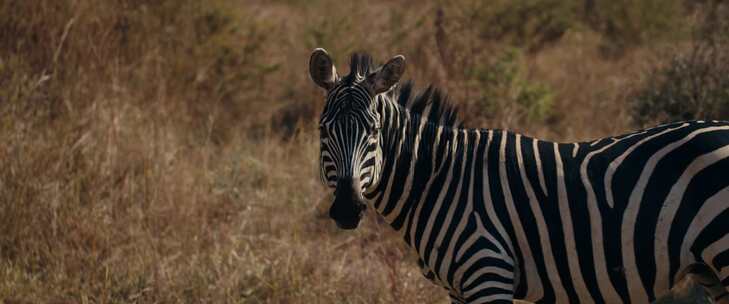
column 166, row 151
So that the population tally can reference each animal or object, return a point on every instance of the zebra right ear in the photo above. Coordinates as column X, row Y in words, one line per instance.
column 322, row 70
column 388, row 75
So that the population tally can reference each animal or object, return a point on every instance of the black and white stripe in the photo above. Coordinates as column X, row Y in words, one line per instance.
column 496, row 216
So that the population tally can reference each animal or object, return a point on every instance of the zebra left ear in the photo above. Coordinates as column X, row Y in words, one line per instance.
column 388, row 75
column 322, row 70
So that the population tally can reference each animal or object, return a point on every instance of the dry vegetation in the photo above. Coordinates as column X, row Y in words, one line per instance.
column 164, row 151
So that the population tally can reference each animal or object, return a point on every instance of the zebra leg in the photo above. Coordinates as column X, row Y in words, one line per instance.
column 704, row 276
column 721, row 272
column 427, row 273
column 724, row 298
column 455, row 299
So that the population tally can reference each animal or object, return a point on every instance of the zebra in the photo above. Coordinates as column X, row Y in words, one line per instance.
column 496, row 216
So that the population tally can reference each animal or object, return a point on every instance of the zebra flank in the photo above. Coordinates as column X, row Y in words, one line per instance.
column 496, row 216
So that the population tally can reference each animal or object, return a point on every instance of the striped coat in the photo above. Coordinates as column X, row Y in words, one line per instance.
column 496, row 216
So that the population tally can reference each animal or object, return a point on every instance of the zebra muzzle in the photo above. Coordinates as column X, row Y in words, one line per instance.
column 348, row 206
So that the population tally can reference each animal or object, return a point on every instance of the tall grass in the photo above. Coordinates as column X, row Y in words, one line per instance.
column 163, row 151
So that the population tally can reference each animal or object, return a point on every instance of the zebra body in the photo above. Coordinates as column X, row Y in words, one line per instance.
column 587, row 222
column 496, row 216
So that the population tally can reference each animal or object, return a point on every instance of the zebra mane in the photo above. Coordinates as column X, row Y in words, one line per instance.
column 360, row 65
column 431, row 102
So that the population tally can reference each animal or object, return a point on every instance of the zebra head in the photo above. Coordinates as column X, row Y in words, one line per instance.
column 351, row 141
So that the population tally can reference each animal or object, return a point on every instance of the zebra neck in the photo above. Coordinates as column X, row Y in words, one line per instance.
column 415, row 151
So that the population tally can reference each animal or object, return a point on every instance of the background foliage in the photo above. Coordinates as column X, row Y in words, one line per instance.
column 165, row 151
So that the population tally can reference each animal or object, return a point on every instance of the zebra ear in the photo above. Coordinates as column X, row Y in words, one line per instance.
column 322, row 70
column 387, row 76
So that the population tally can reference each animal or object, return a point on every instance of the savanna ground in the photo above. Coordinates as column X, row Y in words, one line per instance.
column 165, row 151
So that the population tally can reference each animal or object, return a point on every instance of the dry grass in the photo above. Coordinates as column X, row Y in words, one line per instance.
column 163, row 151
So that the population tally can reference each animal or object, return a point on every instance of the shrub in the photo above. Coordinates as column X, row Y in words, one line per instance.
column 506, row 94
column 197, row 59
column 626, row 23
column 694, row 84
column 529, row 24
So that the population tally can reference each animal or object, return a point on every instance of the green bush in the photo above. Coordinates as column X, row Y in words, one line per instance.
column 695, row 83
column 627, row 23
column 529, row 24
column 505, row 93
